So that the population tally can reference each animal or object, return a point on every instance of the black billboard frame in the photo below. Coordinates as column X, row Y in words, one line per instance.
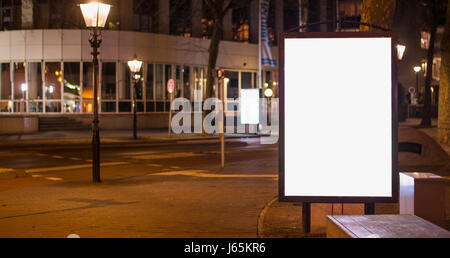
column 369, row 201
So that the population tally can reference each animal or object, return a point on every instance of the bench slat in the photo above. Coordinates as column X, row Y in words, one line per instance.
column 385, row 226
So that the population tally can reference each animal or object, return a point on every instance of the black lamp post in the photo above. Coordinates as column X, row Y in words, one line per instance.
column 135, row 67
column 95, row 15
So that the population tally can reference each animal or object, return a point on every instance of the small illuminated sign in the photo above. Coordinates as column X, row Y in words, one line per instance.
column 171, row 86
column 249, row 106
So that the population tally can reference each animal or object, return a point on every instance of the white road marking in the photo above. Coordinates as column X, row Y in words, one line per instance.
column 57, row 157
column 203, row 174
column 154, row 165
column 62, row 168
column 167, row 156
column 138, row 153
column 54, row 178
column 5, row 170
column 76, row 159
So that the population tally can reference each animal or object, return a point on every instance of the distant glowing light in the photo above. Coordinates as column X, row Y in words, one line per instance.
column 417, row 69
column 24, row 87
column 400, row 51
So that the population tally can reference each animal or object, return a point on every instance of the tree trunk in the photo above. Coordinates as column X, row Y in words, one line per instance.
column 444, row 91
column 213, row 54
column 426, row 113
column 378, row 12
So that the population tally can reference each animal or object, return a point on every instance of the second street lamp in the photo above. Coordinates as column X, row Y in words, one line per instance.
column 417, row 70
column 95, row 15
column 135, row 68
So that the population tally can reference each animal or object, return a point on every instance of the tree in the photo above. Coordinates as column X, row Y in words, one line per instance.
column 444, row 96
column 434, row 15
column 218, row 8
column 378, row 12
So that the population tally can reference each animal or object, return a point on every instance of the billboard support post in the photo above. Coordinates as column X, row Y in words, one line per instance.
column 369, row 208
column 306, row 217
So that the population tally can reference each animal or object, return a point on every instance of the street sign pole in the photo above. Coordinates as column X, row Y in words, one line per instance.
column 170, row 115
column 170, row 89
column 222, row 131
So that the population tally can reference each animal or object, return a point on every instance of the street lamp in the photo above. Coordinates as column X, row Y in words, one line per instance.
column 95, row 15
column 401, row 51
column 417, row 70
column 268, row 93
column 135, row 67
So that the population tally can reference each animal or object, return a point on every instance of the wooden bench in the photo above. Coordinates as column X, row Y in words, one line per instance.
column 383, row 226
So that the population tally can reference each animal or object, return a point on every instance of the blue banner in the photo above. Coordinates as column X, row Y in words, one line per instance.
column 266, row 53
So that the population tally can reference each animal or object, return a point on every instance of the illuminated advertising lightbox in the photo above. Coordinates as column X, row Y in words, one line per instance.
column 249, row 106
column 338, row 118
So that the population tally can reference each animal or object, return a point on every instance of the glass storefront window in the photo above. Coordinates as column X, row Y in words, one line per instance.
column 53, row 107
column 232, row 91
column 36, row 106
column 246, row 80
column 20, row 86
column 72, row 89
column 125, row 107
column 53, row 80
column 268, row 78
column 124, row 82
column 159, row 82
column 168, row 75
column 6, row 106
column 88, row 87
column 35, row 86
column 140, row 107
column 177, row 91
column 196, row 79
column 187, row 82
column 5, row 80
column 108, row 91
column 233, row 85
column 20, row 106
column 108, row 107
column 149, row 82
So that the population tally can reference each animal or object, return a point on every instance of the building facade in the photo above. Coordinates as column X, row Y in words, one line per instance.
column 46, row 61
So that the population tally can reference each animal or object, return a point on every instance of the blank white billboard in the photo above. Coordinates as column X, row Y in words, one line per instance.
column 338, row 117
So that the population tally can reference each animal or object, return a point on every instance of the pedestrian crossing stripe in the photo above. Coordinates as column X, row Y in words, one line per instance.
column 63, row 168
column 6, row 170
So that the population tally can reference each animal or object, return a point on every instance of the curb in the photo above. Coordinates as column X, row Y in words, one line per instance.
column 262, row 215
column 114, row 142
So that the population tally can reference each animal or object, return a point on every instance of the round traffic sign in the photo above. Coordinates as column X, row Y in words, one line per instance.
column 171, row 86
column 412, row 90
